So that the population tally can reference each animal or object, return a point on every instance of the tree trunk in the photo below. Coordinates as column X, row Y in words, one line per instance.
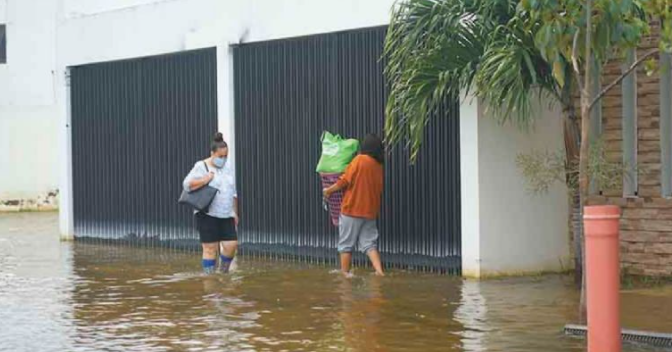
column 572, row 137
column 584, row 184
column 584, row 178
column 577, row 231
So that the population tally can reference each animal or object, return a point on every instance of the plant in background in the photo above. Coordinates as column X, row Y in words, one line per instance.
column 542, row 169
column 588, row 34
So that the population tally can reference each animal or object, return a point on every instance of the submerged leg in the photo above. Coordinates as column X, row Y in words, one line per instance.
column 346, row 259
column 374, row 256
column 227, row 252
column 209, row 257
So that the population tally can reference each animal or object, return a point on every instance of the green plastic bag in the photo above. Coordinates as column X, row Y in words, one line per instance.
column 337, row 153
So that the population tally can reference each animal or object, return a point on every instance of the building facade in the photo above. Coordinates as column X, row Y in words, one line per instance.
column 28, row 120
column 503, row 229
column 634, row 123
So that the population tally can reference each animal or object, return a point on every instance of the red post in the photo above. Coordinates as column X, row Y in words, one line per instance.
column 603, row 278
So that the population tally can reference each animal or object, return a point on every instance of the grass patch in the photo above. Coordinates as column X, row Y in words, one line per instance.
column 633, row 282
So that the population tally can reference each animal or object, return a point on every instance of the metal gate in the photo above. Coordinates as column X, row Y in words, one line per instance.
column 138, row 126
column 286, row 93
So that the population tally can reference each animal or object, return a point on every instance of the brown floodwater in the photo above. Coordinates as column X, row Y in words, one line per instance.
column 59, row 296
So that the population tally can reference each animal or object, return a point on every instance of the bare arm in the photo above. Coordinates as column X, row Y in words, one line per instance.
column 334, row 188
column 344, row 181
column 235, row 201
column 197, row 178
column 200, row 182
column 235, row 210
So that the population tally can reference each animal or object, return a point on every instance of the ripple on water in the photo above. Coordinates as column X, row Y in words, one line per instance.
column 82, row 297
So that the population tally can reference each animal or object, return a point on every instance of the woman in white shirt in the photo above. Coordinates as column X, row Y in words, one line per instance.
column 218, row 226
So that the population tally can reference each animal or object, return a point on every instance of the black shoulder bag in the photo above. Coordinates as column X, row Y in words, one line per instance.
column 199, row 199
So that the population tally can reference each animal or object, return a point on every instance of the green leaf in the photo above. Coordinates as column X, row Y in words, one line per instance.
column 651, row 66
column 613, row 7
column 559, row 72
column 502, row 50
column 530, row 67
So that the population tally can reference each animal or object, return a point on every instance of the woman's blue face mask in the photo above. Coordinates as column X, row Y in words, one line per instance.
column 219, row 161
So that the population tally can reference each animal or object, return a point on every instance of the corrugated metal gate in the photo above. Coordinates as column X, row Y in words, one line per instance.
column 138, row 126
column 286, row 93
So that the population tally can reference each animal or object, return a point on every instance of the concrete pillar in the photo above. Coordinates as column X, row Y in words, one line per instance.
column 469, row 175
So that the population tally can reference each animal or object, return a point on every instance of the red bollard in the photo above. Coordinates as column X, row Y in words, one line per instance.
column 603, row 278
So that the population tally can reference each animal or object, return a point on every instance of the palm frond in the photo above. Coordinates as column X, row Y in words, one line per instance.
column 438, row 49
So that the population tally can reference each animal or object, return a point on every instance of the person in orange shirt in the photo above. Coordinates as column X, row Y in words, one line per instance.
column 362, row 184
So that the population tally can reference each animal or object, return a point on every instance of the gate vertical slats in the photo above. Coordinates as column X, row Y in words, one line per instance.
column 335, row 82
column 138, row 127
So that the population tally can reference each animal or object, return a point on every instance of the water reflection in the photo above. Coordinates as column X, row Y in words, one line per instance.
column 471, row 313
column 35, row 285
column 82, row 297
column 135, row 302
column 360, row 313
column 225, row 326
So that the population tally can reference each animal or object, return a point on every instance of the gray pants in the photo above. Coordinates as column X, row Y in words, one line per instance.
column 356, row 230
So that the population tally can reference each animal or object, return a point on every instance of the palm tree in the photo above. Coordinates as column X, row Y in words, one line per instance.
column 441, row 49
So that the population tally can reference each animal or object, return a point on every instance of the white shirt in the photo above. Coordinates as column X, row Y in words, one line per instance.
column 222, row 205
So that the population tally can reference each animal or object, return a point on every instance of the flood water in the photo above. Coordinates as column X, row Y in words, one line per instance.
column 57, row 296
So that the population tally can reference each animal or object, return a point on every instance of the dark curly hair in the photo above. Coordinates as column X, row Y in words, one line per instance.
column 372, row 146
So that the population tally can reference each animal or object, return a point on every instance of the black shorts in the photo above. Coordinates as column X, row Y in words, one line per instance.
column 212, row 229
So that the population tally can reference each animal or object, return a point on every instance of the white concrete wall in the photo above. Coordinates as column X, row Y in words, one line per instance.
column 28, row 119
column 470, row 187
column 80, row 8
column 506, row 230
column 519, row 232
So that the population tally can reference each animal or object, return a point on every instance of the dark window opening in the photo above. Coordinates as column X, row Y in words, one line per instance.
column 3, row 44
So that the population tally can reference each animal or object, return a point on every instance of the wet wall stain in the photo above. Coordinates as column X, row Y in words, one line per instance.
column 44, row 202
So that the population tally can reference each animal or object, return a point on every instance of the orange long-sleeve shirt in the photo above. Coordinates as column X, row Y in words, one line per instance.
column 362, row 185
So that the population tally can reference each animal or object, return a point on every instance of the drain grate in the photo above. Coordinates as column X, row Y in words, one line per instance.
column 642, row 337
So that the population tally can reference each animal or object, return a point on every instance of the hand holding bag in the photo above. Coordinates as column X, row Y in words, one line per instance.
column 199, row 199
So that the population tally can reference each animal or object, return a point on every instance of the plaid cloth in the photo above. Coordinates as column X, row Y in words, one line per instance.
column 335, row 200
